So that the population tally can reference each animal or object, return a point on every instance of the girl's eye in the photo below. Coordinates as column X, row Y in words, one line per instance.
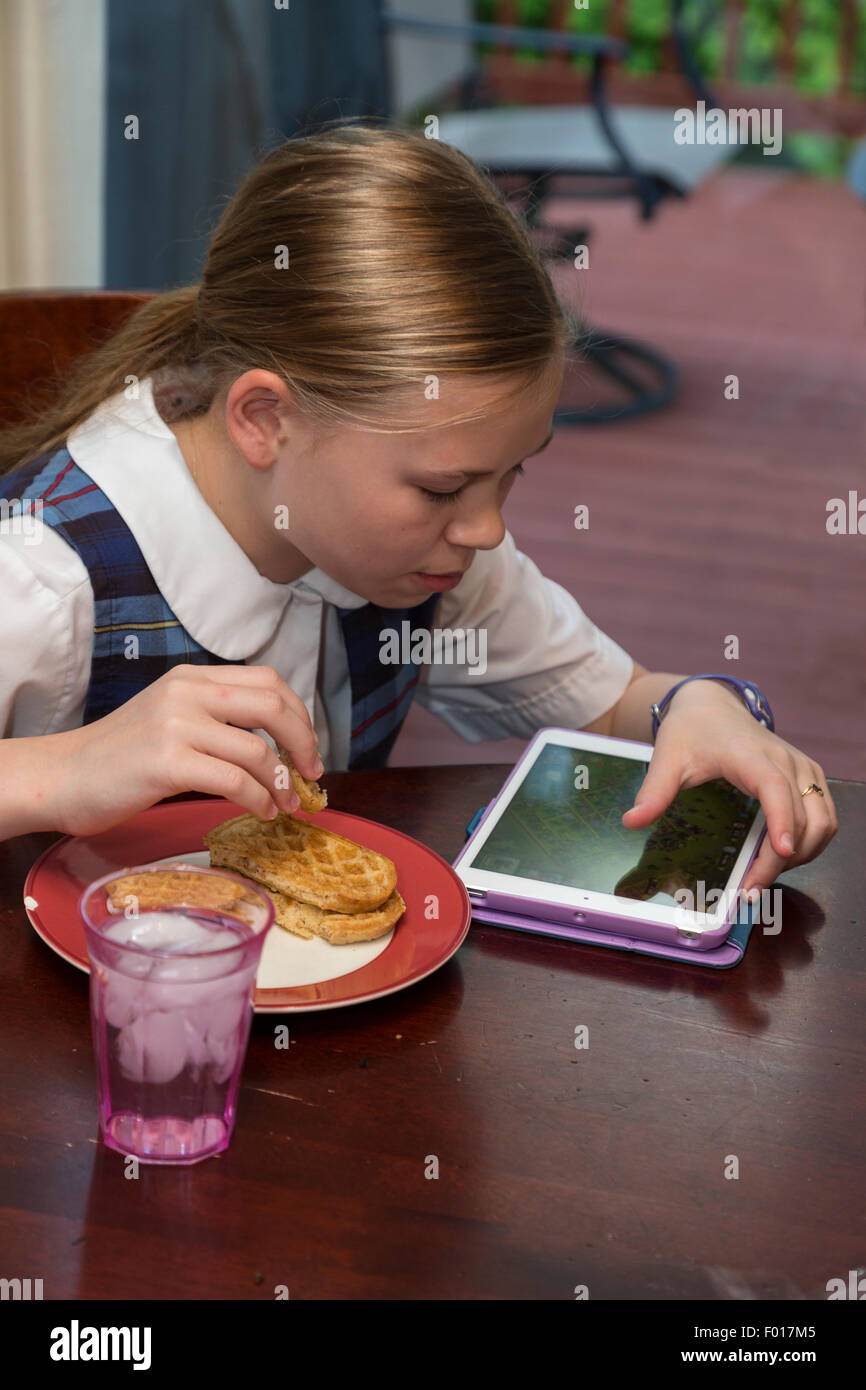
column 440, row 496
column 451, row 496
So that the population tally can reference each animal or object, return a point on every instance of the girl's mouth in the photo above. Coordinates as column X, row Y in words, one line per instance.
column 439, row 581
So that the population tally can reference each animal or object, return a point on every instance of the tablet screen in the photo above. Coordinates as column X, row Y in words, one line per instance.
column 564, row 825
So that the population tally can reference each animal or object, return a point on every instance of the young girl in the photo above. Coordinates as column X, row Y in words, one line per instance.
column 260, row 482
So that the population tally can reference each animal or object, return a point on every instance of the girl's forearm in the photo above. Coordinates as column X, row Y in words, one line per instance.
column 27, row 780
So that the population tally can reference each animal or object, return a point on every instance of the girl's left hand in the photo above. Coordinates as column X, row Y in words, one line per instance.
column 711, row 734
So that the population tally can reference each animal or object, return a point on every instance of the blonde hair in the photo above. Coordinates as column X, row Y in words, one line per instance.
column 359, row 263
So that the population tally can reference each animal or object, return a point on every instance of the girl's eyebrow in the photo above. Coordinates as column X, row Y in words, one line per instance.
column 446, row 474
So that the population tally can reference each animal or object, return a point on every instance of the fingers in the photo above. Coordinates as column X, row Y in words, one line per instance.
column 198, row 772
column 661, row 784
column 263, row 706
column 798, row 827
column 829, row 806
column 772, row 783
column 786, row 820
column 239, row 675
column 815, row 826
column 821, row 821
column 248, row 751
column 765, row 869
column 256, row 678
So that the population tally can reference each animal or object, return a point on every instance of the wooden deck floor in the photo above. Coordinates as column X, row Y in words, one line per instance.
column 709, row 518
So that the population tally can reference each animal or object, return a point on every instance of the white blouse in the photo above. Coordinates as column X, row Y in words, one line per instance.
column 546, row 662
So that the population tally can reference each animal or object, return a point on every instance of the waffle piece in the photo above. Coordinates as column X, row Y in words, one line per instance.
column 340, row 928
column 311, row 796
column 303, row 861
column 174, row 888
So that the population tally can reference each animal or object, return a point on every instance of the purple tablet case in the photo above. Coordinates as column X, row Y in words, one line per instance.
column 511, row 913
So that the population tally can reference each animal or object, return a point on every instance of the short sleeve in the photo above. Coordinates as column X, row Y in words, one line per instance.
column 47, row 604
column 530, row 656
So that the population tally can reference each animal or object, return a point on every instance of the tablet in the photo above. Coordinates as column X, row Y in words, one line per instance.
column 552, row 846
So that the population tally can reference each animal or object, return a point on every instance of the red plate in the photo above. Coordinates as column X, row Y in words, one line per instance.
column 295, row 974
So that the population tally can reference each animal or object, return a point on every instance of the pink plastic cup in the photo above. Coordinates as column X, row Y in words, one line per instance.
column 172, row 979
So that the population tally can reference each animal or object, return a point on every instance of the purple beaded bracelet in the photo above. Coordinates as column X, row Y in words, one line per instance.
column 755, row 700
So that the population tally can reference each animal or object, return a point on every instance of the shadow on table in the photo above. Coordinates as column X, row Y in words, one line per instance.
column 737, row 993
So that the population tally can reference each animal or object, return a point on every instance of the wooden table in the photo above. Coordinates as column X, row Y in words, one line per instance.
column 603, row 1167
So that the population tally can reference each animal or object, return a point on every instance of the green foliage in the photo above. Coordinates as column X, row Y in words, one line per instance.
column 648, row 24
column 858, row 62
column 825, row 156
column 818, row 46
column 533, row 14
column 589, row 22
column 760, row 41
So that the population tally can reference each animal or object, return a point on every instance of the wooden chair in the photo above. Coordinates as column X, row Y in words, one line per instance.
column 42, row 331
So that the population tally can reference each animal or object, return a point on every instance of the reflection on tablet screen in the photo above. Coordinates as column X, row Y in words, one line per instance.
column 564, row 825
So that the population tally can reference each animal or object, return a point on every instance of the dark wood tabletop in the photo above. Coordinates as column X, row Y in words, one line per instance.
column 604, row 1167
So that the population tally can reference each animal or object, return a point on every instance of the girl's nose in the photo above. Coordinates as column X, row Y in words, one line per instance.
column 484, row 531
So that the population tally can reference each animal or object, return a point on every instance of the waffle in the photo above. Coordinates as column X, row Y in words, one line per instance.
column 174, row 888
column 311, row 796
column 340, row 928
column 303, row 861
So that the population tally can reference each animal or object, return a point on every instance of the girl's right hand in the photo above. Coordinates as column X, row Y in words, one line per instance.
column 188, row 731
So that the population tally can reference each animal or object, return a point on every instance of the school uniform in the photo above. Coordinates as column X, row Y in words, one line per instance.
column 130, row 573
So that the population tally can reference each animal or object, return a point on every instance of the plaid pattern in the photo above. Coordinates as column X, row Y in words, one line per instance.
column 128, row 605
column 381, row 694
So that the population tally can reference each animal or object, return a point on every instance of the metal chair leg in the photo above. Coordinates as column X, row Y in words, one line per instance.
column 604, row 350
column 610, row 352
